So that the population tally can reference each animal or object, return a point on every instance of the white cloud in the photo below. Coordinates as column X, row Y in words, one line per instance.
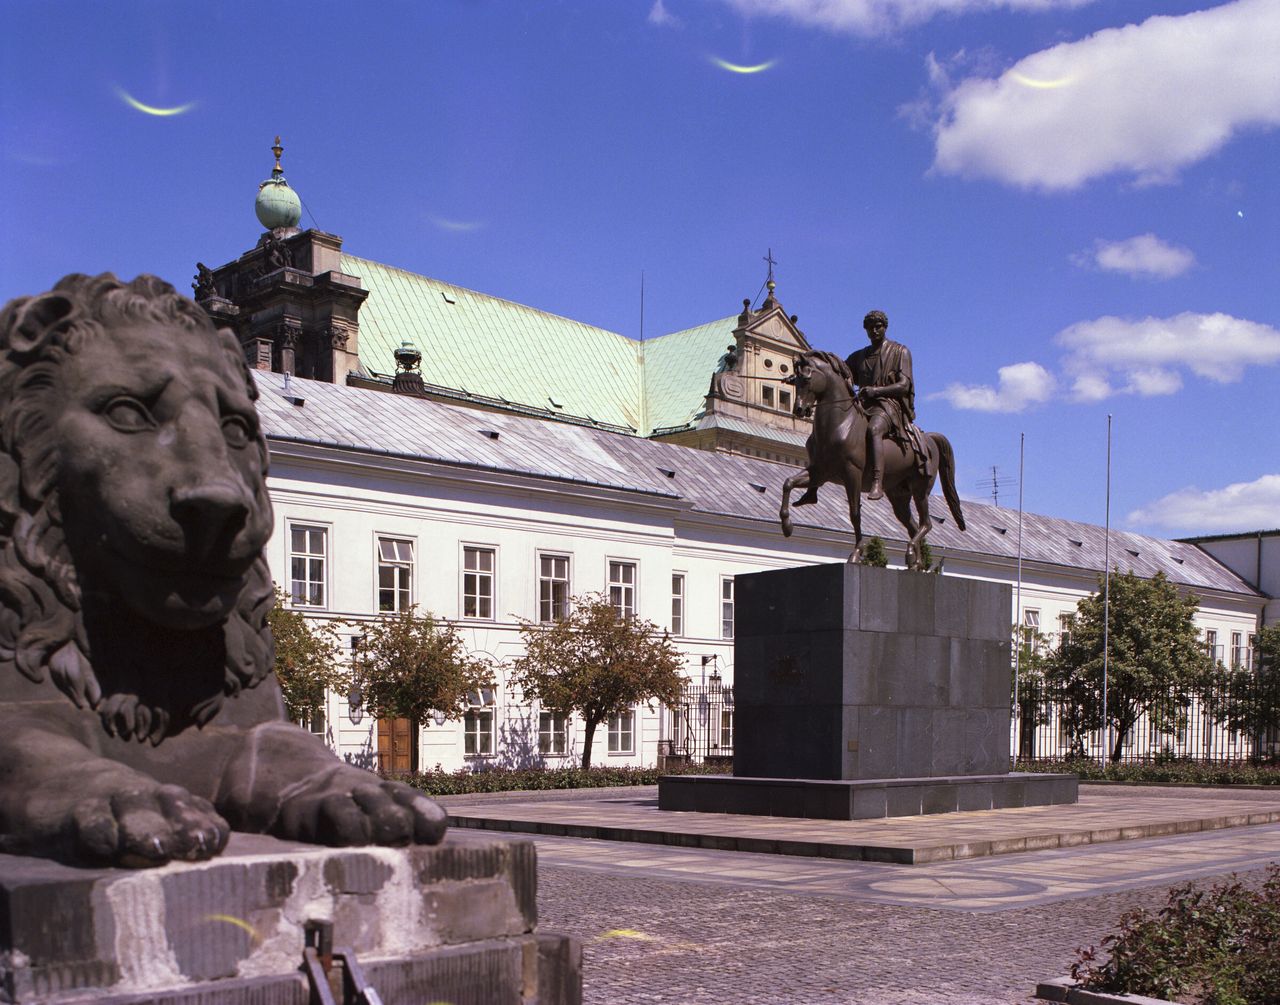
column 1019, row 385
column 659, row 15
column 1142, row 100
column 1145, row 255
column 1238, row 507
column 874, row 17
column 1148, row 356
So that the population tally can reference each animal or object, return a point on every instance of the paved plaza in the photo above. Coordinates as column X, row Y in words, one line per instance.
column 675, row 924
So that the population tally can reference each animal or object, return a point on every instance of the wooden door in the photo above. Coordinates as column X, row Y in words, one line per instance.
column 397, row 746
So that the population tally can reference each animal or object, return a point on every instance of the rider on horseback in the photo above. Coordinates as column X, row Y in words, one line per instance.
column 882, row 374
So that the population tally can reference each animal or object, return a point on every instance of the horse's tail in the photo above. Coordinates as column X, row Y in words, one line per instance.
column 947, row 475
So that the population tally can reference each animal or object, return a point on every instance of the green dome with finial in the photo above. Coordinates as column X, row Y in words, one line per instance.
column 277, row 204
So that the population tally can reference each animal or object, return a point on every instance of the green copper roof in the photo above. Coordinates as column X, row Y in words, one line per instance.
column 498, row 349
column 677, row 371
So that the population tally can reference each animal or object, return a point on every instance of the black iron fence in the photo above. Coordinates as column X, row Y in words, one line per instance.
column 699, row 725
column 1233, row 718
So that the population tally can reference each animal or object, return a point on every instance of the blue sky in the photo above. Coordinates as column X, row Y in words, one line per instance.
column 1068, row 208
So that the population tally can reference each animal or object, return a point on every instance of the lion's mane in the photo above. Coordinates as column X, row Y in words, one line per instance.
column 42, row 627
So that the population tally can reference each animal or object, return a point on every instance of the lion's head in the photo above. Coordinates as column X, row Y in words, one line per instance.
column 133, row 504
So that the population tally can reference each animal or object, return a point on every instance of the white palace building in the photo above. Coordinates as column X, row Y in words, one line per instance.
column 484, row 460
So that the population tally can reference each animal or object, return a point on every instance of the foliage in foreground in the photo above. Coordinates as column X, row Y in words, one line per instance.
column 1173, row 770
column 308, row 659
column 453, row 783
column 597, row 664
column 1204, row 947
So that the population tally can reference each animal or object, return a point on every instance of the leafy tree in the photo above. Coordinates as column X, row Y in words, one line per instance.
column 1155, row 659
column 596, row 664
column 308, row 659
column 411, row 664
column 873, row 554
column 1247, row 700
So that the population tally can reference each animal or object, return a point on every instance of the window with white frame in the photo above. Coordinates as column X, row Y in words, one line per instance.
column 1066, row 623
column 1030, row 624
column 622, row 733
column 395, row 574
column 677, row 603
column 553, row 730
column 1211, row 644
column 726, row 728
column 726, row 607
column 477, row 582
column 478, row 723
column 1237, row 650
column 622, row 588
column 314, row 721
column 553, row 587
column 308, row 565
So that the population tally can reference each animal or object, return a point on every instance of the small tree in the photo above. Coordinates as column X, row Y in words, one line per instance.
column 1031, row 650
column 1155, row 658
column 596, row 664
column 1249, row 699
column 308, row 659
column 873, row 554
column 412, row 664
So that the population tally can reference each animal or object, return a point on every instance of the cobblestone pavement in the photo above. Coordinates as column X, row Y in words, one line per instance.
column 650, row 935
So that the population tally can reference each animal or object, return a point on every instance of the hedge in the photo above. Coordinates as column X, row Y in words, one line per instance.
column 452, row 783
column 1186, row 772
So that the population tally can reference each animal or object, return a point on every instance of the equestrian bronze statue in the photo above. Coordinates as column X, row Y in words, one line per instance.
column 867, row 440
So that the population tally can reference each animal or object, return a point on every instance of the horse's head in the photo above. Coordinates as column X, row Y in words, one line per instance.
column 819, row 376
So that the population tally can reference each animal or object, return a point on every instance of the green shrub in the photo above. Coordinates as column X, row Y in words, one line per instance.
column 453, row 783
column 1163, row 769
column 1205, row 947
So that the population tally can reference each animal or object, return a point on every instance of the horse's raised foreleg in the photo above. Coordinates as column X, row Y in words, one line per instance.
column 796, row 481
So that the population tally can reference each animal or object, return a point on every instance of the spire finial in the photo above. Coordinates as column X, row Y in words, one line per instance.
column 772, row 262
column 277, row 149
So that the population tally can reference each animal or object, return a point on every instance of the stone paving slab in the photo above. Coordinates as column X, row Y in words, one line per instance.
column 985, row 885
column 1100, row 816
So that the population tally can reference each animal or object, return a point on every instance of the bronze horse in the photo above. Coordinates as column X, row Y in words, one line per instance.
column 838, row 453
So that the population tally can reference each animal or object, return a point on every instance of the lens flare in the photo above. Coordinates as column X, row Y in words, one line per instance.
column 163, row 113
column 229, row 919
column 724, row 64
column 1041, row 85
column 624, row 933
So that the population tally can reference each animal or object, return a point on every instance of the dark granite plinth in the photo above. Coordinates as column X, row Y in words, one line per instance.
column 848, row 671
column 862, row 799
column 450, row 922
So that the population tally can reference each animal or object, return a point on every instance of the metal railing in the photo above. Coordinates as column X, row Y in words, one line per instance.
column 700, row 724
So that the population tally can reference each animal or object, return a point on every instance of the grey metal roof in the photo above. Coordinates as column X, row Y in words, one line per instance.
column 737, row 425
column 378, row 422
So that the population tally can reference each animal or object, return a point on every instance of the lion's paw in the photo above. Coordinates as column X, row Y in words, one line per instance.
column 352, row 807
column 148, row 827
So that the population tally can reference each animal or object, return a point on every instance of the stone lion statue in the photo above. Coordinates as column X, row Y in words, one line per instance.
column 140, row 720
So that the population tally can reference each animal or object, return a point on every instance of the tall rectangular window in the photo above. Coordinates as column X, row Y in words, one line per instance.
column 726, row 608
column 308, row 565
column 1237, row 649
column 1211, row 644
column 622, row 733
column 726, row 728
column 1030, row 624
column 477, row 734
column 1066, row 622
column 477, row 582
column 395, row 574
column 552, row 733
column 677, row 603
column 622, row 588
column 553, row 587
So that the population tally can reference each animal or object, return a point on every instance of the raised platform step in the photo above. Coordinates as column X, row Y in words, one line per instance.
column 864, row 798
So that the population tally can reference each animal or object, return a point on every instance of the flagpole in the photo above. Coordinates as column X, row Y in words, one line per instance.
column 1106, row 608
column 1017, row 616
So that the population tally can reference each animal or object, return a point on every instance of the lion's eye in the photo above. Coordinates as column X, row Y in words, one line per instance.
column 128, row 415
column 237, row 431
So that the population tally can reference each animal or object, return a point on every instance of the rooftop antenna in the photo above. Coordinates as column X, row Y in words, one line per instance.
column 994, row 484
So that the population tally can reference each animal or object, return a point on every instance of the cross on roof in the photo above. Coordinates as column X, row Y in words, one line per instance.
column 772, row 262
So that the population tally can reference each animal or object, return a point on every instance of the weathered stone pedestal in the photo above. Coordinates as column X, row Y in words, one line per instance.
column 451, row 923
column 862, row 692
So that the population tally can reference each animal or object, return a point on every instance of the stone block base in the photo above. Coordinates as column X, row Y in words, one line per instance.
column 862, row 799
column 455, row 922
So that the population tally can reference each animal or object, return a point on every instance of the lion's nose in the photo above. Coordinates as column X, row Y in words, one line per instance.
column 209, row 514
